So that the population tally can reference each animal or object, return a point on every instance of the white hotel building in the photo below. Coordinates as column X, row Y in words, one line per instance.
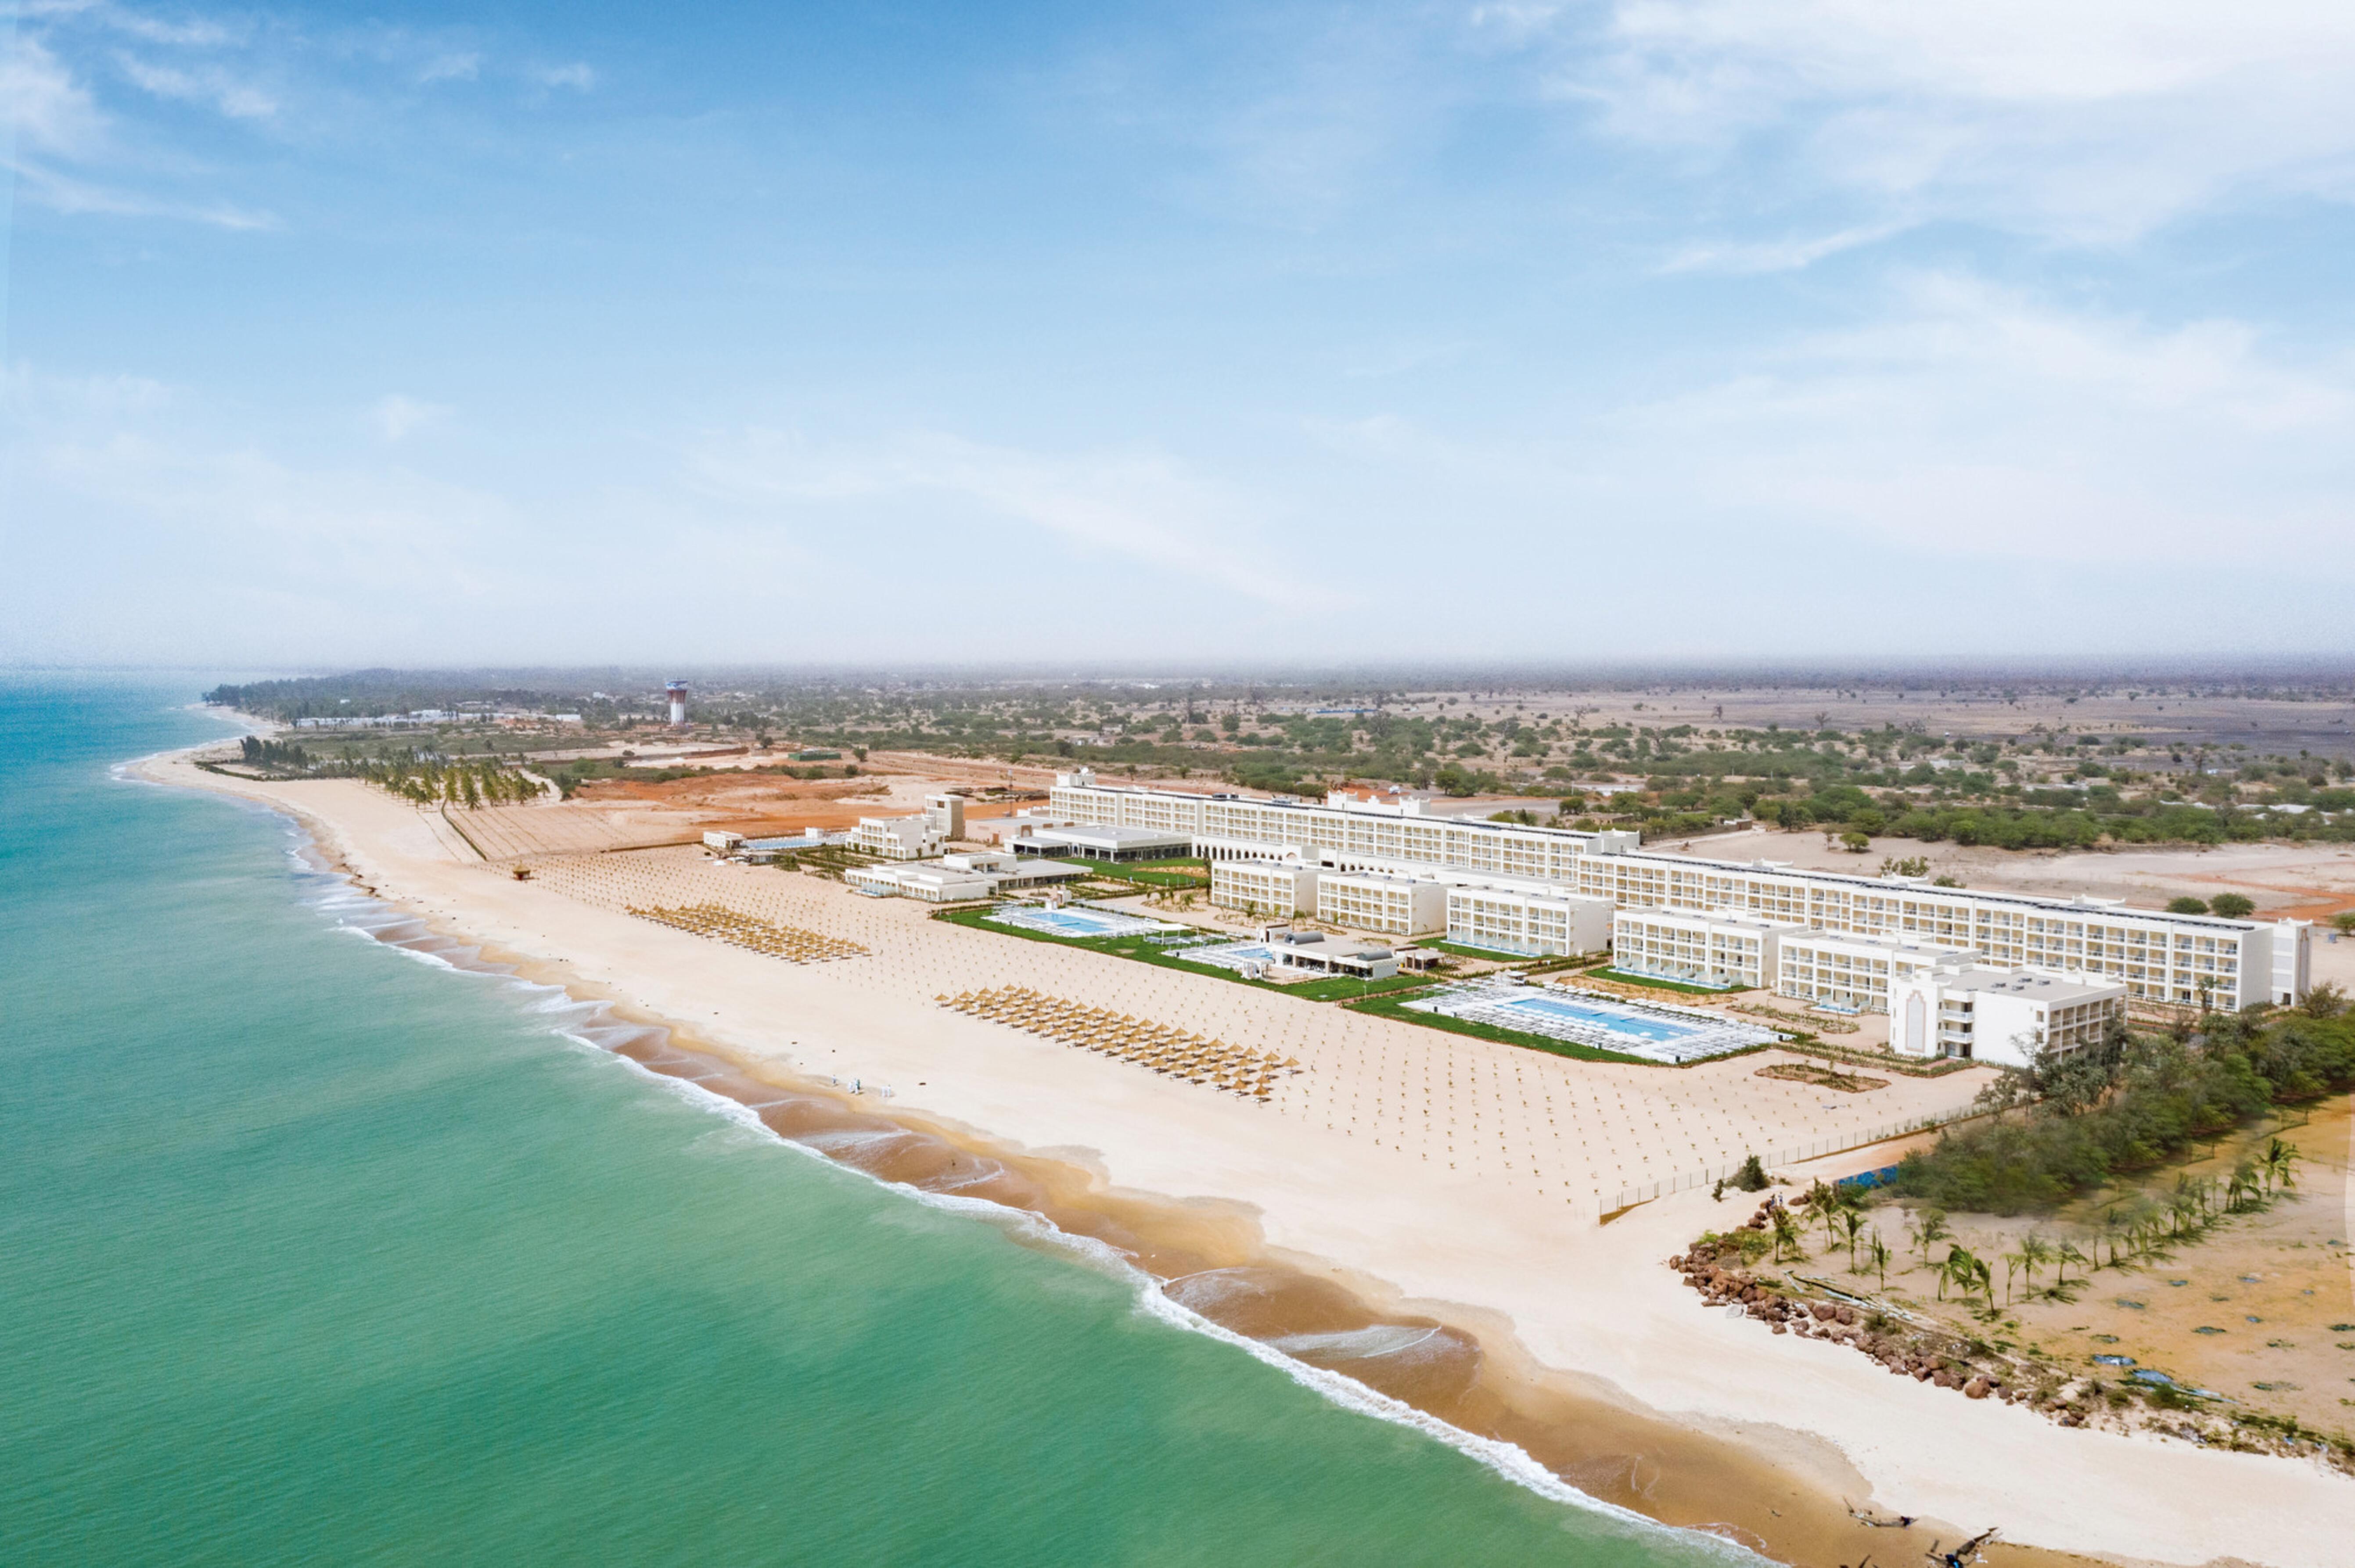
column 2006, row 1017
column 2192, row 959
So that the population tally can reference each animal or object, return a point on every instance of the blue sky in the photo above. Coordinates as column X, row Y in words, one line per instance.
column 1636, row 329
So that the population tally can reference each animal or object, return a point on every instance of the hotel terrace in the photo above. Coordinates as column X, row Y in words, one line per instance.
column 2154, row 955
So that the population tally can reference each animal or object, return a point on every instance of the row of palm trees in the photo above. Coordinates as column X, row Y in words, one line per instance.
column 472, row 785
column 2131, row 1231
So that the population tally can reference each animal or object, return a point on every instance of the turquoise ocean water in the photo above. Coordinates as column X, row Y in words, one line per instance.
column 314, row 1252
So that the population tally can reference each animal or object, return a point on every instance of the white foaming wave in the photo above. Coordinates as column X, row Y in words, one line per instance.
column 695, row 1095
column 1357, row 1344
column 854, row 1139
column 1213, row 1287
column 985, row 1170
column 1507, row 1461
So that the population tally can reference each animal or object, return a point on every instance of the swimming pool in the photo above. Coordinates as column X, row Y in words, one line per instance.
column 1616, row 1020
column 1236, row 956
column 1071, row 922
column 1665, row 1034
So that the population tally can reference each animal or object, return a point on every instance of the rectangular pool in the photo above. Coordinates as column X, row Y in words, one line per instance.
column 1657, row 1034
column 1071, row 922
column 1633, row 1024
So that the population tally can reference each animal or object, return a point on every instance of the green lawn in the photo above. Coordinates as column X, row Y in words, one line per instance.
column 1486, row 955
column 1152, row 873
column 1625, row 979
column 1341, row 988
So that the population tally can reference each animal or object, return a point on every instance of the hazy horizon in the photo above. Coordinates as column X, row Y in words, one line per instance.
column 1597, row 334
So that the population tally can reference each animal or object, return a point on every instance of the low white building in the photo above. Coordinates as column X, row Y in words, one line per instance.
column 1097, row 841
column 956, row 878
column 1853, row 973
column 1373, row 901
column 1507, row 920
column 1264, row 887
column 2005, row 1017
column 1725, row 949
column 898, row 838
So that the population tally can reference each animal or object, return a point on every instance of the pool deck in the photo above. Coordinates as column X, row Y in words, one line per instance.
column 1668, row 1034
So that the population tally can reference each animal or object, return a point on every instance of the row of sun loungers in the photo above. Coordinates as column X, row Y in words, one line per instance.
column 1173, row 1051
column 726, row 924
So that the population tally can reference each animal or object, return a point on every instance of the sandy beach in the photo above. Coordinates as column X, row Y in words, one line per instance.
column 1412, row 1177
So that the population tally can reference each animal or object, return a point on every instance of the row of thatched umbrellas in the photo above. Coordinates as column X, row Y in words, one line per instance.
column 1235, row 1069
column 726, row 924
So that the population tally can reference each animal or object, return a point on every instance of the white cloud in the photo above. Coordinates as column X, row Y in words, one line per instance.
column 462, row 67
column 1741, row 256
column 577, row 74
column 396, row 416
column 64, row 193
column 1139, row 506
column 2088, row 119
column 42, row 104
column 207, row 86
column 1972, row 420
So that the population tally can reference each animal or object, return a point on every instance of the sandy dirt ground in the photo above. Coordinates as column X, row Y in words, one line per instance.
column 2261, row 1311
column 1459, row 1175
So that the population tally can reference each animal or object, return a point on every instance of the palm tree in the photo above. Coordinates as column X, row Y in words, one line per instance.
column 1852, row 1223
column 2013, row 1262
column 1786, row 1230
column 1879, row 1253
column 1956, row 1270
column 1824, row 1203
column 2035, row 1252
column 2067, row 1254
column 1929, row 1229
column 2279, row 1157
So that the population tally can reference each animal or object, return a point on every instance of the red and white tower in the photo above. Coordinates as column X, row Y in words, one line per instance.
column 678, row 690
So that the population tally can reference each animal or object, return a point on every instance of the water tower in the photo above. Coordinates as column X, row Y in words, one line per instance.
column 678, row 690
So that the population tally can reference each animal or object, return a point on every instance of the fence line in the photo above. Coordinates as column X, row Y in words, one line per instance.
column 1790, row 1155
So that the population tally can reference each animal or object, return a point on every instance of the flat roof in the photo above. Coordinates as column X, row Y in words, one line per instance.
column 1099, row 832
column 2030, row 984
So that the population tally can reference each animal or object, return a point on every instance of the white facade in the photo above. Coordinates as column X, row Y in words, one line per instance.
column 1264, row 887
column 954, row 878
column 1851, row 972
column 2006, row 1017
column 898, row 838
column 1509, row 920
column 946, row 814
column 1371, row 901
column 1725, row 949
column 928, row 880
column 2187, row 959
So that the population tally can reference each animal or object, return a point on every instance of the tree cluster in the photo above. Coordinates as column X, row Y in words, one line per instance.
column 2069, row 1124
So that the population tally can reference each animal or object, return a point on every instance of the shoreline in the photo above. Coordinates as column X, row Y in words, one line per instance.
column 1786, row 1490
